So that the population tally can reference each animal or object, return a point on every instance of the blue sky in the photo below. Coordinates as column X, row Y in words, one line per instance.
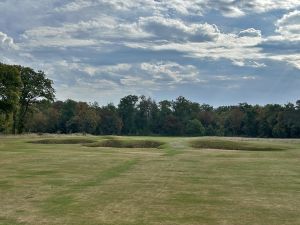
column 218, row 52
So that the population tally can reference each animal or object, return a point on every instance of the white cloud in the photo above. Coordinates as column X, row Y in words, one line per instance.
column 83, row 33
column 250, row 32
column 171, row 72
column 293, row 59
column 175, row 29
column 234, row 78
column 227, row 46
column 139, row 82
column 6, row 42
column 74, row 6
column 229, row 8
column 248, row 63
column 237, row 8
column 95, row 71
column 289, row 26
column 154, row 7
column 136, row 76
column 98, row 84
column 268, row 5
column 284, row 46
column 97, row 31
column 232, row 11
column 116, row 69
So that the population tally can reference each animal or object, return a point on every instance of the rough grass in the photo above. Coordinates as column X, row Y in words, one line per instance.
column 114, row 143
column 63, row 141
column 71, row 184
column 234, row 145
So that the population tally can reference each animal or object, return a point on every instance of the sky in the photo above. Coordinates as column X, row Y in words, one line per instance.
column 220, row 52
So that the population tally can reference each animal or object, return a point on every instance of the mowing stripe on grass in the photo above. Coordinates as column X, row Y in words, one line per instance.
column 106, row 175
column 63, row 202
column 8, row 221
column 172, row 152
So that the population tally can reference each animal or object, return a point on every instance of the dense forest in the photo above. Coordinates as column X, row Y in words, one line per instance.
column 27, row 104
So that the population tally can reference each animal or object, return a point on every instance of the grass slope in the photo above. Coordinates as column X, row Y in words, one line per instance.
column 71, row 184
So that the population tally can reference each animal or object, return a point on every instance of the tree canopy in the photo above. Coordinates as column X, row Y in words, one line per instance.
column 20, row 87
column 10, row 85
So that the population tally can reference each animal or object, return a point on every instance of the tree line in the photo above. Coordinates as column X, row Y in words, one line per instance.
column 27, row 104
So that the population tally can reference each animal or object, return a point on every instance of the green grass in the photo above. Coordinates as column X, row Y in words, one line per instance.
column 171, row 184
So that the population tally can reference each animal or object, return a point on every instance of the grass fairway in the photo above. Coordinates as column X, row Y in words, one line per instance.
column 68, row 182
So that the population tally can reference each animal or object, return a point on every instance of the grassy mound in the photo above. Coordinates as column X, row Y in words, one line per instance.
column 127, row 144
column 234, row 145
column 63, row 141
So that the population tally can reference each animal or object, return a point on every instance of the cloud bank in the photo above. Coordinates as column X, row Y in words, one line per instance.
column 100, row 50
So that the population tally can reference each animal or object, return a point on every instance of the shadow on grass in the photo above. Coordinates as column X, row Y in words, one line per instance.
column 234, row 145
column 63, row 141
column 126, row 144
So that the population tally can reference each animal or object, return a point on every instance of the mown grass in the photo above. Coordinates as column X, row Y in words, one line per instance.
column 174, row 184
column 63, row 202
column 235, row 145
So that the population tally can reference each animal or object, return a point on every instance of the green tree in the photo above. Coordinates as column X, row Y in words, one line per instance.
column 36, row 87
column 43, row 118
column 10, row 83
column 85, row 119
column 127, row 112
column 195, row 127
column 249, row 123
column 172, row 126
column 165, row 113
column 183, row 112
column 233, row 122
column 67, row 111
column 111, row 123
column 146, row 115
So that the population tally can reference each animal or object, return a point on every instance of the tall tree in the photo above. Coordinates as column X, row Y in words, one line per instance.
column 85, row 119
column 111, row 123
column 36, row 87
column 10, row 83
column 165, row 111
column 127, row 111
column 67, row 112
column 144, row 115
